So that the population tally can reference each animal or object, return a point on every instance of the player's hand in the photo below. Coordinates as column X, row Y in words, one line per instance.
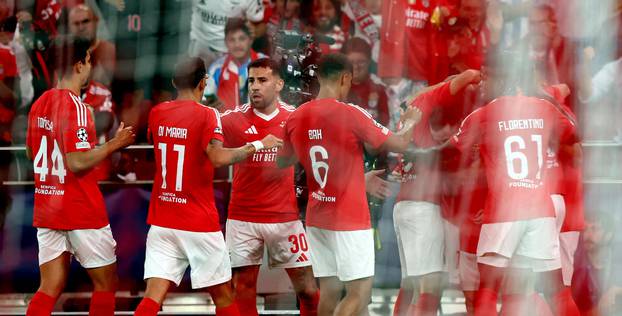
column 125, row 136
column 589, row 53
column 478, row 217
column 412, row 113
column 376, row 186
column 271, row 141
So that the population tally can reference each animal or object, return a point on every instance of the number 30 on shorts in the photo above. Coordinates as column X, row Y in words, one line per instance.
column 299, row 242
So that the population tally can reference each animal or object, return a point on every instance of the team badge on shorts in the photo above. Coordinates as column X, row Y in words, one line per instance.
column 83, row 137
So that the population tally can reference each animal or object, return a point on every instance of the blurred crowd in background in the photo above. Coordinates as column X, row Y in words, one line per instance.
column 397, row 48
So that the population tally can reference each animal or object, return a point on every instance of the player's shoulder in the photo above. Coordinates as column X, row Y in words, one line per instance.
column 286, row 107
column 354, row 108
column 235, row 113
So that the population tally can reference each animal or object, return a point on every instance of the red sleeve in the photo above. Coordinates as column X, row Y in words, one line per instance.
column 78, row 132
column 227, row 126
column 441, row 97
column 469, row 133
column 366, row 128
column 213, row 127
column 288, row 149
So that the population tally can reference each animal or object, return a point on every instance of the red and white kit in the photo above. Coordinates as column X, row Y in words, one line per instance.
column 327, row 136
column 263, row 209
column 513, row 134
column 182, row 210
column 69, row 209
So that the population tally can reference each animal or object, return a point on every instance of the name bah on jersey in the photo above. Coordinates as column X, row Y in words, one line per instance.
column 315, row 134
column 174, row 132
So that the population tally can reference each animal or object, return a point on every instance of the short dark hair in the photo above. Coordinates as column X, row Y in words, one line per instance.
column 333, row 65
column 357, row 45
column 189, row 72
column 9, row 24
column 266, row 63
column 236, row 24
column 67, row 51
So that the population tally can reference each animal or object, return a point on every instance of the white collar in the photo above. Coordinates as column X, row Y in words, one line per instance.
column 266, row 117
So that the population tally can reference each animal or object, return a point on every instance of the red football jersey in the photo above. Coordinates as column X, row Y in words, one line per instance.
column 183, row 194
column 59, row 123
column 261, row 192
column 327, row 136
column 422, row 179
column 513, row 133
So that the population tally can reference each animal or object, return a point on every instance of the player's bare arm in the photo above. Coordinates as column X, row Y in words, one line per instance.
column 81, row 161
column 462, row 80
column 400, row 141
column 221, row 156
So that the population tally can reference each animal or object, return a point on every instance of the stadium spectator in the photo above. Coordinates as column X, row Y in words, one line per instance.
column 9, row 79
column 228, row 74
column 286, row 17
column 363, row 19
column 597, row 281
column 208, row 20
column 364, row 92
column 83, row 22
column 556, row 55
column 412, row 45
column 471, row 39
column 326, row 22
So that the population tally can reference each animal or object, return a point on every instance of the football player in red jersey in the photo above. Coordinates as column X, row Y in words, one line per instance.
column 263, row 210
column 69, row 210
column 519, row 234
column 426, row 244
column 185, row 230
column 328, row 137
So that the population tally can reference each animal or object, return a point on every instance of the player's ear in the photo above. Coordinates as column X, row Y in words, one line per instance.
column 280, row 83
column 173, row 83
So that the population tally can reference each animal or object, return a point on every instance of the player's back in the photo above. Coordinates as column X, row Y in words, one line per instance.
column 328, row 136
column 182, row 195
column 59, row 123
column 517, row 132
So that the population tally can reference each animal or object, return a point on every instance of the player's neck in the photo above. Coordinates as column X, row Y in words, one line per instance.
column 328, row 93
column 188, row 95
column 70, row 84
column 268, row 109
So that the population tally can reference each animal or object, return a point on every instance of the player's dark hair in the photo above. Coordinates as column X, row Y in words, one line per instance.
column 189, row 72
column 67, row 51
column 266, row 63
column 236, row 24
column 514, row 70
column 9, row 24
column 357, row 45
column 439, row 118
column 331, row 66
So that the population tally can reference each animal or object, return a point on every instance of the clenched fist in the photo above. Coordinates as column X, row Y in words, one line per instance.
column 271, row 141
column 125, row 136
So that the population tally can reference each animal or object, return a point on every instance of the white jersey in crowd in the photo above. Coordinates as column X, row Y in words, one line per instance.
column 209, row 18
